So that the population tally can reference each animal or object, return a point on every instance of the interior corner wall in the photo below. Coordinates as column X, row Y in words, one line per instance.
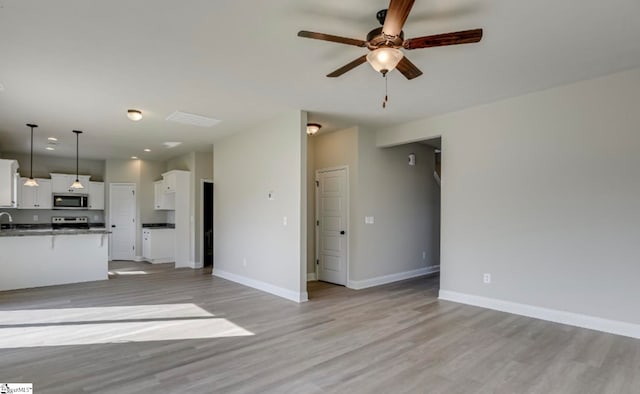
column 404, row 201
column 541, row 191
column 253, row 243
column 142, row 173
column 200, row 166
column 336, row 149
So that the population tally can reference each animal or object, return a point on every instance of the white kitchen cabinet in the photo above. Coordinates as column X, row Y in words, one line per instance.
column 96, row 195
column 158, row 245
column 163, row 200
column 36, row 197
column 61, row 183
column 9, row 183
column 169, row 179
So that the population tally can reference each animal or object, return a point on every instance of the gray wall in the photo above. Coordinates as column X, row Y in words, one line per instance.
column 404, row 201
column 542, row 191
column 247, row 166
column 335, row 149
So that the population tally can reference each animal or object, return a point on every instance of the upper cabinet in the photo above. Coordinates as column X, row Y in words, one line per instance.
column 9, row 183
column 62, row 184
column 96, row 195
column 163, row 200
column 35, row 197
column 169, row 179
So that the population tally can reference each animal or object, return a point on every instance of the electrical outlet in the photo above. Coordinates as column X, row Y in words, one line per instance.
column 424, row 255
column 244, row 262
column 35, row 218
column 486, row 278
column 284, row 221
column 369, row 220
column 95, row 218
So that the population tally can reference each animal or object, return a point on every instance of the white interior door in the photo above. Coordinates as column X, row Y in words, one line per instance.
column 122, row 218
column 332, row 213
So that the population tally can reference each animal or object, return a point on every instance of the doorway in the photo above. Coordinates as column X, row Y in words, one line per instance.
column 207, row 223
column 122, row 220
column 332, row 224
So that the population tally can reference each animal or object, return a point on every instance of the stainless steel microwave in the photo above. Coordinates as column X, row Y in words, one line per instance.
column 70, row 201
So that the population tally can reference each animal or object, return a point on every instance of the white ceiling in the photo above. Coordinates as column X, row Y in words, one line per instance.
column 77, row 64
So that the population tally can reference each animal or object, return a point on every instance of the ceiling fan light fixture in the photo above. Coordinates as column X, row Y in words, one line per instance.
column 134, row 114
column 313, row 128
column 384, row 59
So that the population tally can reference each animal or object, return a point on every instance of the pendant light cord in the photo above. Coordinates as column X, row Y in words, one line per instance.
column 386, row 91
column 31, row 161
column 77, row 154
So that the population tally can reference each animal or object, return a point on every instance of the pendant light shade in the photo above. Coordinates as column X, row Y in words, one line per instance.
column 31, row 180
column 384, row 59
column 77, row 184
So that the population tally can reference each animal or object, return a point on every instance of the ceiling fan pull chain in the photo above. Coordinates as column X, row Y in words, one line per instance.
column 386, row 92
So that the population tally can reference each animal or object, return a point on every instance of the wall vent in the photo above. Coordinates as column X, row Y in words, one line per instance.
column 192, row 119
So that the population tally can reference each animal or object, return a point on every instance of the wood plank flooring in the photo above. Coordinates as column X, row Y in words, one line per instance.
column 392, row 339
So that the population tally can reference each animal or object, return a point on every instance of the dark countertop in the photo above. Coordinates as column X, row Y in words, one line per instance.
column 43, row 232
column 38, row 226
column 158, row 225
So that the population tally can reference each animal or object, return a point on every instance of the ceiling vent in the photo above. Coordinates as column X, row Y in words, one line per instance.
column 192, row 119
column 171, row 145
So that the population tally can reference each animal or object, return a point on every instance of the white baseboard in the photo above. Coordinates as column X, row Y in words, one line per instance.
column 311, row 276
column 553, row 315
column 264, row 286
column 383, row 280
column 139, row 258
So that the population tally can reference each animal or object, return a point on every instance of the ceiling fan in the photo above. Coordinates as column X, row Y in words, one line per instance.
column 384, row 43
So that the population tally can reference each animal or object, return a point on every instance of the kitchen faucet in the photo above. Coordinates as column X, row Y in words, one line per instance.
column 9, row 215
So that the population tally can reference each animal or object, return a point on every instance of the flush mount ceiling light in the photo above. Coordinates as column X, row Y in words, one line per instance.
column 52, row 139
column 77, row 184
column 134, row 114
column 134, row 157
column 313, row 128
column 147, row 150
column 50, row 148
column 31, row 181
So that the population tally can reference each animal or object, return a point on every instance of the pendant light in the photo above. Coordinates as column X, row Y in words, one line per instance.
column 31, row 181
column 77, row 184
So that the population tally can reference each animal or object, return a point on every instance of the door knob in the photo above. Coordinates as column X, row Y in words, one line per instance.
column 342, row 232
column 113, row 226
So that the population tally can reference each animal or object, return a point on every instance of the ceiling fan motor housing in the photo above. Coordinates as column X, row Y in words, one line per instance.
column 376, row 39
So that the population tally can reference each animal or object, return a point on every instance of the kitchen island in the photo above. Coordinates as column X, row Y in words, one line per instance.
column 35, row 258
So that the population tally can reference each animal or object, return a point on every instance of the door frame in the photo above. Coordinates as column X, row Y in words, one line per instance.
column 201, row 252
column 317, row 214
column 135, row 201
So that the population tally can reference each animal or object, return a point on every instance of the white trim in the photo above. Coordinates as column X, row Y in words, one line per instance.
column 553, row 315
column 382, row 280
column 266, row 287
column 138, row 258
column 312, row 276
column 348, row 215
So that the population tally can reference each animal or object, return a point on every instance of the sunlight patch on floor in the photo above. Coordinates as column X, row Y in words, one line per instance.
column 112, row 324
column 123, row 273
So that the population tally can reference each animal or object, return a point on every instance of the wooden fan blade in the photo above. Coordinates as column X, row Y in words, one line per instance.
column 439, row 40
column 408, row 69
column 329, row 37
column 396, row 16
column 348, row 67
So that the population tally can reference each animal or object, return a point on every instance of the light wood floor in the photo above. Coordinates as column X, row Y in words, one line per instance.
column 392, row 339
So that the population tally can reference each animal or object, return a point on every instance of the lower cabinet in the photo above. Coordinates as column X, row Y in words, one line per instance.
column 158, row 245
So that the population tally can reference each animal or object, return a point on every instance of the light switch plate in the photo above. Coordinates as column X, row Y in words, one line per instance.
column 368, row 220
